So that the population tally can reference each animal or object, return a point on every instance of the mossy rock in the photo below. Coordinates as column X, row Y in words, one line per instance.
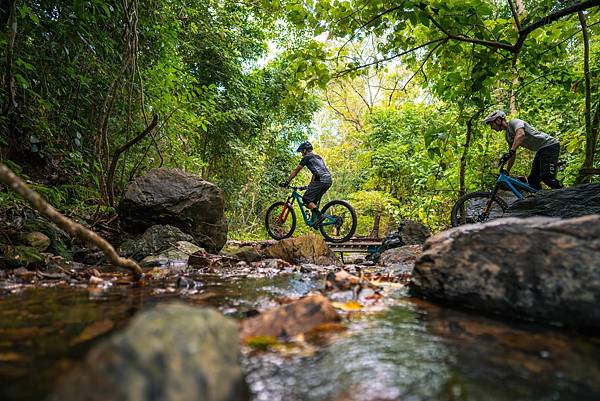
column 21, row 255
column 60, row 242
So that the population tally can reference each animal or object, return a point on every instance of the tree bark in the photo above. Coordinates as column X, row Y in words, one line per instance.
column 73, row 228
column 590, row 137
column 9, row 82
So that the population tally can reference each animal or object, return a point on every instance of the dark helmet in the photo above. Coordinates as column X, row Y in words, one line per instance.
column 304, row 146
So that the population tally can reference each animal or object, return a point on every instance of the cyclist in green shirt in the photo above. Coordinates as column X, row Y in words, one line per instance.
column 518, row 133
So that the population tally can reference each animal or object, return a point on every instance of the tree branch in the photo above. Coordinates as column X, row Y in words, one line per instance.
column 117, row 154
column 73, row 228
column 346, row 71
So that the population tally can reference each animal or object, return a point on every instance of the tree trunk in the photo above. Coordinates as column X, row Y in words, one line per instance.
column 590, row 136
column 376, row 222
column 10, row 14
column 463, row 157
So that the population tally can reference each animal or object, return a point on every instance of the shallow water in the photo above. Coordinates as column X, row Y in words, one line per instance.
column 411, row 350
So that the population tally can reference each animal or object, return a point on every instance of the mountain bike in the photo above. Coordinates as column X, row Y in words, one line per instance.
column 338, row 225
column 478, row 207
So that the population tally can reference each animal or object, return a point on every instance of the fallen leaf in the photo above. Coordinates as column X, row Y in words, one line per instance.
column 350, row 306
column 94, row 330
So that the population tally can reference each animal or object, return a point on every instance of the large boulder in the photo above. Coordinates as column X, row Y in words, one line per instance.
column 180, row 199
column 173, row 352
column 308, row 248
column 539, row 268
column 580, row 200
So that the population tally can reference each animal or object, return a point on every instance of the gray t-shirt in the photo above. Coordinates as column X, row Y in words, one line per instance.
column 534, row 139
column 317, row 166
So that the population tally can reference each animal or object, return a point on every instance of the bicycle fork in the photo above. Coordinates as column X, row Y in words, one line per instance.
column 488, row 206
column 285, row 212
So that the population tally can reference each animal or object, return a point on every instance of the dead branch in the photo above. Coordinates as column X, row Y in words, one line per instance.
column 75, row 229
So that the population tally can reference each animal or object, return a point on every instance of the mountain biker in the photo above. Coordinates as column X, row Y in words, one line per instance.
column 319, row 184
column 519, row 133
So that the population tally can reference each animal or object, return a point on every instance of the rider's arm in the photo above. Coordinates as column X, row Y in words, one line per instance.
column 519, row 137
column 294, row 173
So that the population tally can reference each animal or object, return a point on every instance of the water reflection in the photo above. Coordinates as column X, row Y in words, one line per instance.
column 412, row 351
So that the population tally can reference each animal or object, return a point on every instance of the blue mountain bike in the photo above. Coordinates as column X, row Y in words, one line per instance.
column 479, row 207
column 339, row 224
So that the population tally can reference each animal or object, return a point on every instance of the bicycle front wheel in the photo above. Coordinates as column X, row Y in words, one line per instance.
column 280, row 220
column 470, row 208
column 339, row 224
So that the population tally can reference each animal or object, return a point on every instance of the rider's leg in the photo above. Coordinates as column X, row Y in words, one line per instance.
column 548, row 161
column 534, row 178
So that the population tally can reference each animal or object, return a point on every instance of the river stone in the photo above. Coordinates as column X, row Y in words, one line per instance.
column 180, row 199
column 580, row 200
column 37, row 240
column 155, row 240
column 308, row 248
column 289, row 320
column 179, row 252
column 60, row 242
column 247, row 254
column 172, row 352
column 539, row 268
column 409, row 232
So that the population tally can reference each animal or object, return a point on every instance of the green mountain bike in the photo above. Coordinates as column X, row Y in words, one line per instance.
column 339, row 224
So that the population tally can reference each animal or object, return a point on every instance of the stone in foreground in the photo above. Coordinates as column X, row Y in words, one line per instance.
column 289, row 320
column 173, row 352
column 539, row 268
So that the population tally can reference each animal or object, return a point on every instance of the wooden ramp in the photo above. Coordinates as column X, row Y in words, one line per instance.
column 357, row 245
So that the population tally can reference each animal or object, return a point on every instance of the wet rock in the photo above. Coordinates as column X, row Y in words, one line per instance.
column 580, row 200
column 537, row 268
column 291, row 319
column 178, row 254
column 247, row 254
column 409, row 232
column 37, row 240
column 172, row 352
column 308, row 248
column 154, row 240
column 172, row 196
column 209, row 263
column 400, row 261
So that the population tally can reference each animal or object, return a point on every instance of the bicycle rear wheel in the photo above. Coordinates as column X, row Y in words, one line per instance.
column 339, row 224
column 470, row 209
column 280, row 220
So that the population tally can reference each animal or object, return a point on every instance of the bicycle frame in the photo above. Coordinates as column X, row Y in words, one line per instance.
column 512, row 184
column 306, row 214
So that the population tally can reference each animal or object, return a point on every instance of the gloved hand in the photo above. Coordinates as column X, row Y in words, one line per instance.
column 506, row 157
column 284, row 184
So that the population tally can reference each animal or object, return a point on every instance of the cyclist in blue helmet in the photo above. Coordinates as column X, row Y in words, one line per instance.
column 321, row 179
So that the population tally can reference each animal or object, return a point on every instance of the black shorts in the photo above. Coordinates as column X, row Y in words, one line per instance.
column 314, row 191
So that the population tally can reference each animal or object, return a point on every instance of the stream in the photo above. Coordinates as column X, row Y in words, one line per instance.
column 406, row 349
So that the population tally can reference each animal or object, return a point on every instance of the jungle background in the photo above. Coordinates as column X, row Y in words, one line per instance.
column 392, row 94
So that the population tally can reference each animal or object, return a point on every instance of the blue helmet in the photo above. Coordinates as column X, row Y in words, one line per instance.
column 304, row 146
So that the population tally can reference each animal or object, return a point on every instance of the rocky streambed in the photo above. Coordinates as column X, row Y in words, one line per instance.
column 204, row 330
